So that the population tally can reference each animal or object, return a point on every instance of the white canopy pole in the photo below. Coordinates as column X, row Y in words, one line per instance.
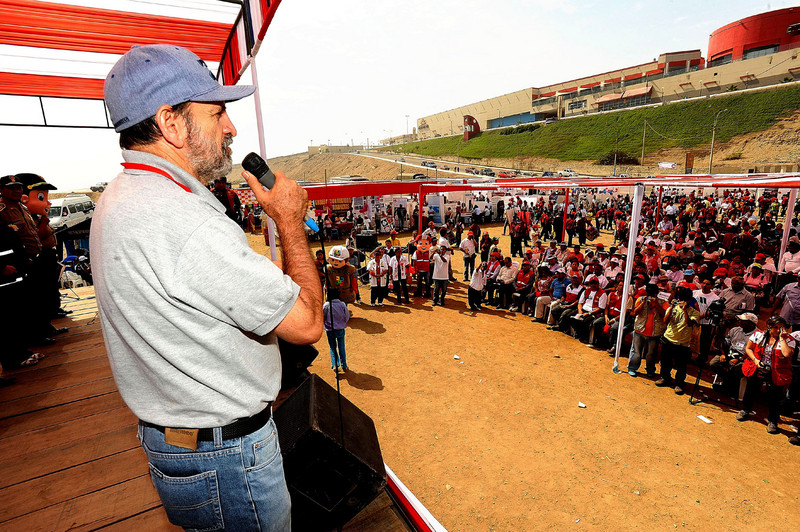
column 636, row 215
column 787, row 225
column 273, row 251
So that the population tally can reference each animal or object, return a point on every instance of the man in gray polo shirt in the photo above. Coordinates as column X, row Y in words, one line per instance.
column 190, row 314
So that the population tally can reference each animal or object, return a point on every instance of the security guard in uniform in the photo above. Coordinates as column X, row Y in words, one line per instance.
column 15, row 216
column 14, row 265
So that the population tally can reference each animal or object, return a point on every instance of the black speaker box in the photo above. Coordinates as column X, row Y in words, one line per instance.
column 368, row 242
column 294, row 361
column 329, row 481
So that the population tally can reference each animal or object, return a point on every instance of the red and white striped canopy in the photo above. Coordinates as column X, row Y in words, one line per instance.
column 778, row 180
column 65, row 49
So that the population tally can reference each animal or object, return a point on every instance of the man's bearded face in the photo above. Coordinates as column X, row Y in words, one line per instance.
column 209, row 159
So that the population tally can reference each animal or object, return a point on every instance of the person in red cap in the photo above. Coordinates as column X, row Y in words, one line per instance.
column 492, row 271
column 430, row 232
column 394, row 240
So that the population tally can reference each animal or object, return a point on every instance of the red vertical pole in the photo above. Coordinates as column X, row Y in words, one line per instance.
column 660, row 200
column 564, row 225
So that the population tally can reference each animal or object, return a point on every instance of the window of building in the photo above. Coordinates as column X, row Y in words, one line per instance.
column 721, row 60
column 636, row 101
column 544, row 101
column 675, row 71
column 761, row 50
column 580, row 104
column 636, row 81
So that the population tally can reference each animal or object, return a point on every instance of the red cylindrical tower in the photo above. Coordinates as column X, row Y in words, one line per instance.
column 769, row 32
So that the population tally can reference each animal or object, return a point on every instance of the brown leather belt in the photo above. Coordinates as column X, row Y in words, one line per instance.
column 237, row 429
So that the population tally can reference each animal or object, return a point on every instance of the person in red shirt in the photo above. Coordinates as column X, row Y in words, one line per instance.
column 522, row 287
column 575, row 253
column 769, row 360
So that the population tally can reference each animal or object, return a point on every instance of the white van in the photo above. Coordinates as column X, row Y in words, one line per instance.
column 70, row 210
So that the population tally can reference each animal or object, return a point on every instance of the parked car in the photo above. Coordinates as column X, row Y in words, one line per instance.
column 445, row 167
column 429, row 164
column 487, row 171
column 419, row 176
column 471, row 170
column 505, row 173
column 99, row 187
column 548, row 173
column 622, row 175
column 529, row 174
column 567, row 172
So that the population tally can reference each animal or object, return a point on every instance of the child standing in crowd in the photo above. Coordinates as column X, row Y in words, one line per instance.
column 476, row 286
column 336, row 316
column 378, row 269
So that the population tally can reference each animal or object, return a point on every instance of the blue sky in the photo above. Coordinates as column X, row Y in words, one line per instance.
column 350, row 70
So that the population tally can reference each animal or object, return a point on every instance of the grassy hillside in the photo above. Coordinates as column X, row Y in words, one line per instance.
column 683, row 125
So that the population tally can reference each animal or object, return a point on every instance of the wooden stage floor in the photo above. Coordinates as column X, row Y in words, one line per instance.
column 69, row 457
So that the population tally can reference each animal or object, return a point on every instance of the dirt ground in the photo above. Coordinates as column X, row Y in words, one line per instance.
column 497, row 441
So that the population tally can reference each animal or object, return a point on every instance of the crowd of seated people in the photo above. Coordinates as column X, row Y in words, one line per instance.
column 704, row 268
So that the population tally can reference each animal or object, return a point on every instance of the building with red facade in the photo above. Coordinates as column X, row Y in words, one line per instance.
column 759, row 35
column 754, row 53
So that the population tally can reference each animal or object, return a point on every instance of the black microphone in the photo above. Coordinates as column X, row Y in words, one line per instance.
column 257, row 166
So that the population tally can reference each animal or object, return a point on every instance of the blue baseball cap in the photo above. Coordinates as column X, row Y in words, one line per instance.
column 147, row 77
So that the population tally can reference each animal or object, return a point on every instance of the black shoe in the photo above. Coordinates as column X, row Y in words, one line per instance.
column 795, row 440
column 56, row 332
column 742, row 415
column 772, row 428
column 662, row 383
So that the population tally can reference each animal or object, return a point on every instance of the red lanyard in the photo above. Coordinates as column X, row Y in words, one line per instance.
column 148, row 168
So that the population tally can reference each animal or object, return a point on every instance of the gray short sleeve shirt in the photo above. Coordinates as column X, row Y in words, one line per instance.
column 186, row 306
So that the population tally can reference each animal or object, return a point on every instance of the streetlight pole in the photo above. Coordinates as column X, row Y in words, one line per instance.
column 644, row 135
column 407, row 127
column 713, row 136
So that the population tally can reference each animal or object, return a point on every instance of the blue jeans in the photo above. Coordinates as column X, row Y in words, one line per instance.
column 336, row 341
column 643, row 347
column 439, row 290
column 235, row 484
